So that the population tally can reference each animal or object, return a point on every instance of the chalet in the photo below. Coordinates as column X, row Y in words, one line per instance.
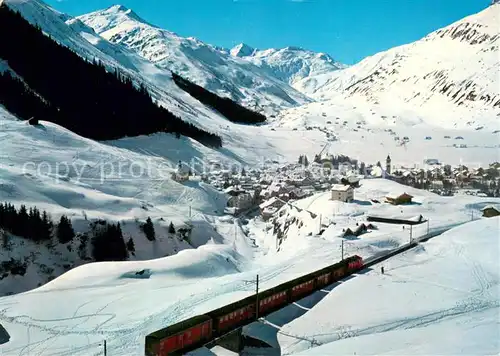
column 241, row 201
column 490, row 211
column 181, row 174
column 398, row 199
column 344, row 193
column 297, row 193
column 360, row 230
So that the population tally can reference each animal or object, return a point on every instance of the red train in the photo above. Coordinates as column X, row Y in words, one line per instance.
column 193, row 333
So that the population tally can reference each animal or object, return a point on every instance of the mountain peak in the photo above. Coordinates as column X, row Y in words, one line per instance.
column 242, row 50
column 117, row 8
column 103, row 20
column 121, row 10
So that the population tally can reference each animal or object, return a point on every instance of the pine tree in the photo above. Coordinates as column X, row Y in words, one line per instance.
column 2, row 215
column 22, row 225
column 108, row 244
column 65, row 232
column 46, row 228
column 131, row 245
column 171, row 228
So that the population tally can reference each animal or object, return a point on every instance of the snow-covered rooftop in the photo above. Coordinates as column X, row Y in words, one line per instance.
column 341, row 187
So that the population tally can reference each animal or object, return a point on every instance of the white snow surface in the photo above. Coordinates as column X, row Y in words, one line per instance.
column 101, row 301
column 441, row 298
column 450, row 76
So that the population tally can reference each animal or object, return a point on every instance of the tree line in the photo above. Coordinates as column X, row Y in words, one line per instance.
column 33, row 224
column 82, row 96
column 227, row 107
column 107, row 240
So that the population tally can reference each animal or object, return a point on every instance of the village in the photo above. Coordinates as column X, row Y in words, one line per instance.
column 266, row 189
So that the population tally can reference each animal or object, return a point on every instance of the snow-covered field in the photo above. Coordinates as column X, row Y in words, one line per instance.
column 108, row 301
column 441, row 298
column 360, row 130
column 447, row 287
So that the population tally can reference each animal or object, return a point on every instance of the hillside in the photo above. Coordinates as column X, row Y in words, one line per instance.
column 210, row 67
column 195, row 281
column 79, row 95
column 450, row 77
column 444, row 292
column 55, row 170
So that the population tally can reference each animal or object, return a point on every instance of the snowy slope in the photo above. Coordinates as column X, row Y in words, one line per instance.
column 63, row 173
column 105, row 301
column 211, row 67
column 370, row 132
column 290, row 64
column 451, row 74
column 441, row 298
column 241, row 143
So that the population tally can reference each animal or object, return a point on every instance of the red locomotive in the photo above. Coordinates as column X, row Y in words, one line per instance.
column 193, row 333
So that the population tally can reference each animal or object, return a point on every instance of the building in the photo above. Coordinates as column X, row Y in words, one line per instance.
column 241, row 201
column 490, row 211
column 269, row 207
column 359, row 230
column 398, row 199
column 343, row 193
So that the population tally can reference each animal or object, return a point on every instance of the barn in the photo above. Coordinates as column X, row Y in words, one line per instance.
column 399, row 199
column 490, row 211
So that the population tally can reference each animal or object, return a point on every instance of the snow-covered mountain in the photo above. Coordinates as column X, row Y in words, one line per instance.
column 452, row 70
column 290, row 64
column 211, row 67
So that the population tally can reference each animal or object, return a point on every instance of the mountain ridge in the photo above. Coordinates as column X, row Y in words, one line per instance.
column 453, row 69
column 204, row 64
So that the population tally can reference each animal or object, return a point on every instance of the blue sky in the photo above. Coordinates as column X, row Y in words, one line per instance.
column 348, row 30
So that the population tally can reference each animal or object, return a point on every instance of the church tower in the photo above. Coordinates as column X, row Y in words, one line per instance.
column 388, row 165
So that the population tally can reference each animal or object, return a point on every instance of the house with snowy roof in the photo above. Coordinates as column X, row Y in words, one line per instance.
column 344, row 193
column 181, row 174
column 269, row 207
column 399, row 198
column 490, row 211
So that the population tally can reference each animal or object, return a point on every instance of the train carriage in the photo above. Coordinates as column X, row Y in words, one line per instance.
column 355, row 263
column 233, row 315
column 273, row 299
column 302, row 289
column 191, row 333
column 323, row 280
column 196, row 332
column 229, row 320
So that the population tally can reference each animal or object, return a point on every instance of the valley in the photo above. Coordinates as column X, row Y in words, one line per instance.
column 213, row 129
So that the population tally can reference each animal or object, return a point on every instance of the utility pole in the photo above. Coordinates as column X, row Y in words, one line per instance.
column 257, row 298
column 105, row 349
column 320, row 218
column 411, row 232
column 428, row 226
